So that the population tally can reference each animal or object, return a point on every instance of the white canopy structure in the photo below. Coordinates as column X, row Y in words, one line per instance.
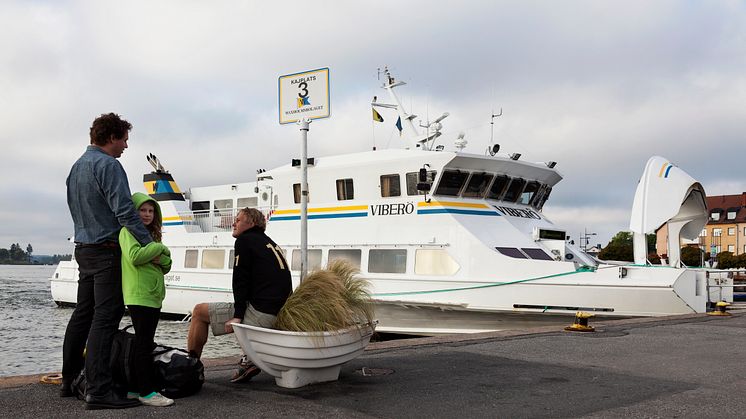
column 667, row 194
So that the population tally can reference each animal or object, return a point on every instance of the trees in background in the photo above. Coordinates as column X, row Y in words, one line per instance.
column 619, row 248
column 17, row 256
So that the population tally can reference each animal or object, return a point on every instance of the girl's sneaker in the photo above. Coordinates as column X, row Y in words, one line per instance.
column 131, row 395
column 155, row 399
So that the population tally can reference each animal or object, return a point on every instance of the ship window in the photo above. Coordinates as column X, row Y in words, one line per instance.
column 390, row 185
column 536, row 254
column 213, row 259
column 345, row 190
column 296, row 194
column 314, row 259
column 231, row 259
column 392, row 261
column 514, row 190
column 190, row 258
column 511, row 252
column 477, row 185
column 351, row 255
column 246, row 202
column 543, row 199
column 414, row 177
column 498, row 186
column 200, row 205
column 434, row 262
column 451, row 182
column 528, row 194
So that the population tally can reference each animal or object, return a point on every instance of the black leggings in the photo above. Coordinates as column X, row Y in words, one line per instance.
column 145, row 320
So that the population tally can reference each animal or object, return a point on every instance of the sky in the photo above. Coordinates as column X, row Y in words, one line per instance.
column 597, row 86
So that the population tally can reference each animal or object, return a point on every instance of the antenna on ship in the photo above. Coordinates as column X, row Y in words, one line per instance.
column 493, row 148
column 157, row 166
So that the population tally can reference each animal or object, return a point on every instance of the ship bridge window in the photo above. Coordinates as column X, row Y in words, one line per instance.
column 514, row 190
column 390, row 185
column 451, row 182
column 498, row 186
column 213, row 259
column 351, row 255
column 231, row 258
column 392, row 261
column 201, row 206
column 413, row 179
column 434, row 262
column 540, row 201
column 296, row 193
column 536, row 253
column 190, row 258
column 314, row 259
column 511, row 252
column 345, row 190
column 529, row 192
column 477, row 185
column 246, row 202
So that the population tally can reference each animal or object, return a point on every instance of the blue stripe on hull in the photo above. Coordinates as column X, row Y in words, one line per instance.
column 318, row 216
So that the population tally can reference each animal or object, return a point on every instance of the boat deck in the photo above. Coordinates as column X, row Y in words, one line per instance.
column 679, row 366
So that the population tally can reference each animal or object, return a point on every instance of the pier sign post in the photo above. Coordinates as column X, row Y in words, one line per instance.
column 303, row 97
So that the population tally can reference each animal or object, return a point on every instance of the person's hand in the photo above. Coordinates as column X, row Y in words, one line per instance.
column 157, row 260
column 229, row 327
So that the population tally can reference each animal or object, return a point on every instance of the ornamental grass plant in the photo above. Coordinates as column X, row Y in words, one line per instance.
column 328, row 299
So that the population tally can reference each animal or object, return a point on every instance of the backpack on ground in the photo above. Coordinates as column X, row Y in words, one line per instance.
column 122, row 360
column 178, row 374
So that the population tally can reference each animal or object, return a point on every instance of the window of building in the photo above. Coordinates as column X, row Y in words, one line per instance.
column 345, row 190
column 731, row 231
column 351, row 255
column 703, row 233
column 314, row 259
column 390, row 186
column 528, row 193
column 434, row 262
column 231, row 259
column 514, row 190
column 498, row 186
column 731, row 248
column 476, row 187
column 414, row 177
column 190, row 258
column 717, row 232
column 213, row 259
column 451, row 182
column 731, row 215
column 246, row 202
column 392, row 261
column 715, row 216
column 296, row 194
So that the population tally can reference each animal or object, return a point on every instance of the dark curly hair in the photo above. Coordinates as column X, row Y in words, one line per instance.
column 105, row 126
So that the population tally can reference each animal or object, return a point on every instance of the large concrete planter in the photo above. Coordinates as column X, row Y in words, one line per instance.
column 297, row 359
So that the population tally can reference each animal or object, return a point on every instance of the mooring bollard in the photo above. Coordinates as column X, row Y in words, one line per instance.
column 721, row 309
column 581, row 323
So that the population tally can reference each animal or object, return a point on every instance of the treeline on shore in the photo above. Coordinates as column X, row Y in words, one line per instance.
column 15, row 255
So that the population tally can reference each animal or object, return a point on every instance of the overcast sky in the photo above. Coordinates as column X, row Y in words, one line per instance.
column 598, row 86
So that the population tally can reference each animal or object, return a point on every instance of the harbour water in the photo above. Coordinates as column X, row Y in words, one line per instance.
column 32, row 327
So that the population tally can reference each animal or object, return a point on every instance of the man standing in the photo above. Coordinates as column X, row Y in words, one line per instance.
column 261, row 284
column 100, row 203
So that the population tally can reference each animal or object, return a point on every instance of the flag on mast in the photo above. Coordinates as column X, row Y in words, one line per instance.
column 377, row 116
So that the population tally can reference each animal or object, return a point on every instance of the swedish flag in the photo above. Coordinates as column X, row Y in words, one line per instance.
column 377, row 116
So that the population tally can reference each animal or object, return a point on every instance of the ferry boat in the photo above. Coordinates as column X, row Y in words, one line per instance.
column 451, row 242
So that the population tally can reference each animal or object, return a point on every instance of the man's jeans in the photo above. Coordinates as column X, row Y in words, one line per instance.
column 96, row 317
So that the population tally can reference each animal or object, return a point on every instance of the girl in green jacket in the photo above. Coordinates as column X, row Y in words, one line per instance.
column 143, row 288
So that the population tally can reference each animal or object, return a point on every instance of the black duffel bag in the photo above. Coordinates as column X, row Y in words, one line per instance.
column 178, row 374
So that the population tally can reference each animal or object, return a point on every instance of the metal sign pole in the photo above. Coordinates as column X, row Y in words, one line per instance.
column 304, row 198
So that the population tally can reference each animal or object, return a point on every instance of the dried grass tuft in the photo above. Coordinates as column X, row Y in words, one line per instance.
column 328, row 299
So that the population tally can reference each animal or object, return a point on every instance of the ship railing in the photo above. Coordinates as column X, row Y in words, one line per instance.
column 728, row 284
column 214, row 221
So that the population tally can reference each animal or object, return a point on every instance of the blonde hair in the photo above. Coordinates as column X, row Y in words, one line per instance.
column 255, row 216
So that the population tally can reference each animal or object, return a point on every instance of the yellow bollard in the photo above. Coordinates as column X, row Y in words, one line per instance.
column 581, row 323
column 721, row 309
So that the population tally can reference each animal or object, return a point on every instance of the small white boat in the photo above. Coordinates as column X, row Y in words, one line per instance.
column 297, row 359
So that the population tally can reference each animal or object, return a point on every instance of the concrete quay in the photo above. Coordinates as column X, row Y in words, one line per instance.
column 689, row 366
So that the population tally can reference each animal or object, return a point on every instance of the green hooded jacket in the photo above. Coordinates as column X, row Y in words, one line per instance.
column 142, row 280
